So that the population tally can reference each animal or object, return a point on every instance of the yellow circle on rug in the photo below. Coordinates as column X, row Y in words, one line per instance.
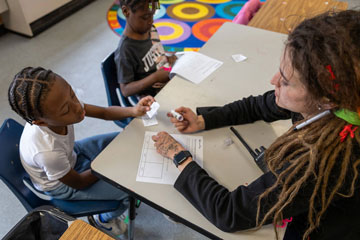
column 213, row 1
column 178, row 30
column 197, row 11
column 170, row 1
column 190, row 11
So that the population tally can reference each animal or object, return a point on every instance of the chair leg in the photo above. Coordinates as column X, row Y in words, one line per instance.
column 132, row 214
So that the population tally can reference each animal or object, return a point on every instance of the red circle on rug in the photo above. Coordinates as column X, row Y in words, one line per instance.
column 204, row 29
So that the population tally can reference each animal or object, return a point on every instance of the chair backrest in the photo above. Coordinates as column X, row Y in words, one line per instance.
column 113, row 90
column 12, row 172
column 13, row 175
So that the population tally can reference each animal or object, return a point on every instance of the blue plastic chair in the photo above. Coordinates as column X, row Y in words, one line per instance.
column 113, row 90
column 14, row 175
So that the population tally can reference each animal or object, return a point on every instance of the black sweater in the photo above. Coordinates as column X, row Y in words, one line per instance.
column 236, row 210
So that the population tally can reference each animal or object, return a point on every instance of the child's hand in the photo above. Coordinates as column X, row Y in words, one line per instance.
column 158, row 85
column 162, row 75
column 143, row 106
column 171, row 60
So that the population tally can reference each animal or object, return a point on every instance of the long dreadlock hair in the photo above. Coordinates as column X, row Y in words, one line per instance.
column 314, row 156
column 27, row 91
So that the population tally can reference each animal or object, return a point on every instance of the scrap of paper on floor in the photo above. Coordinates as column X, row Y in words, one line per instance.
column 157, row 169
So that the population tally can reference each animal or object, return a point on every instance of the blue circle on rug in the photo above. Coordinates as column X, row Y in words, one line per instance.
column 230, row 9
column 159, row 13
column 119, row 31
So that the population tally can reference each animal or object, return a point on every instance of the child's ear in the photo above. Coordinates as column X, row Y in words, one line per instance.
column 126, row 11
column 40, row 123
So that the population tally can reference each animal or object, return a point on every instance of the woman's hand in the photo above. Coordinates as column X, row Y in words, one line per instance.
column 191, row 123
column 143, row 106
column 166, row 145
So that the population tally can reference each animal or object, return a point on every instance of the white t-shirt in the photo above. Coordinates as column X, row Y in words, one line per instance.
column 47, row 156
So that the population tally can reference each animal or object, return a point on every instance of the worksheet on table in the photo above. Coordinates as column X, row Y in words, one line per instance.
column 195, row 67
column 157, row 169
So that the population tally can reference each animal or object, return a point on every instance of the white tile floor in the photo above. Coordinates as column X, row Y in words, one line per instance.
column 74, row 48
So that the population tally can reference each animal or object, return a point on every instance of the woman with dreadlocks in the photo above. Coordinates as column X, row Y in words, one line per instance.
column 57, row 165
column 313, row 179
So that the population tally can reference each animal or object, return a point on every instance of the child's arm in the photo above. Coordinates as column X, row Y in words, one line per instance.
column 117, row 112
column 78, row 180
column 134, row 87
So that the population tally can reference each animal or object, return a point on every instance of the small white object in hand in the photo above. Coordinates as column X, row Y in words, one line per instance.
column 153, row 109
column 177, row 115
column 239, row 57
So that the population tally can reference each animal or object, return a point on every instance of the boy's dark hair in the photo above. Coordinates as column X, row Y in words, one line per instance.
column 27, row 90
column 134, row 4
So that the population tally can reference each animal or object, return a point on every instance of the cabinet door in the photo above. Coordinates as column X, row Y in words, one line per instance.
column 35, row 9
column 3, row 6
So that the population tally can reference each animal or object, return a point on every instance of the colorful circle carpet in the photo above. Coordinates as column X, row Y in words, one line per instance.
column 183, row 25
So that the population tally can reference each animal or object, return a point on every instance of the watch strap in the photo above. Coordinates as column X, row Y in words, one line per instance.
column 181, row 156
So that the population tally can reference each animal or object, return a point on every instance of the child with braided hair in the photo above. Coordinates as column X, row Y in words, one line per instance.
column 313, row 178
column 56, row 164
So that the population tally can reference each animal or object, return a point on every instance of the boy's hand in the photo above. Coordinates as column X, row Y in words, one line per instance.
column 171, row 60
column 143, row 106
column 158, row 85
column 191, row 123
column 162, row 76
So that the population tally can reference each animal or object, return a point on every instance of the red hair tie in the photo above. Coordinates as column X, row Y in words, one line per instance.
column 345, row 132
column 328, row 67
column 332, row 77
column 284, row 221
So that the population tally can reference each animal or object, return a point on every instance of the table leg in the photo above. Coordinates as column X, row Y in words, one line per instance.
column 132, row 214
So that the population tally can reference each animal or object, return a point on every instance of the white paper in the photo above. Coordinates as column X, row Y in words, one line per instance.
column 195, row 67
column 149, row 121
column 153, row 109
column 179, row 54
column 157, row 169
column 239, row 57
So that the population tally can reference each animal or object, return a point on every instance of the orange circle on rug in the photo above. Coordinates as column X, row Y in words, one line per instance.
column 204, row 29
column 190, row 11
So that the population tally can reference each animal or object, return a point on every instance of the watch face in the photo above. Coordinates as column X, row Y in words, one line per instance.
column 181, row 157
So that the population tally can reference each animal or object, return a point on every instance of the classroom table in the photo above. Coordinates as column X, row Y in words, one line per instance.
column 80, row 230
column 283, row 15
column 230, row 165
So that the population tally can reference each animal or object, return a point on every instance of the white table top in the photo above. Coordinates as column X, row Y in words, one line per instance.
column 231, row 166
